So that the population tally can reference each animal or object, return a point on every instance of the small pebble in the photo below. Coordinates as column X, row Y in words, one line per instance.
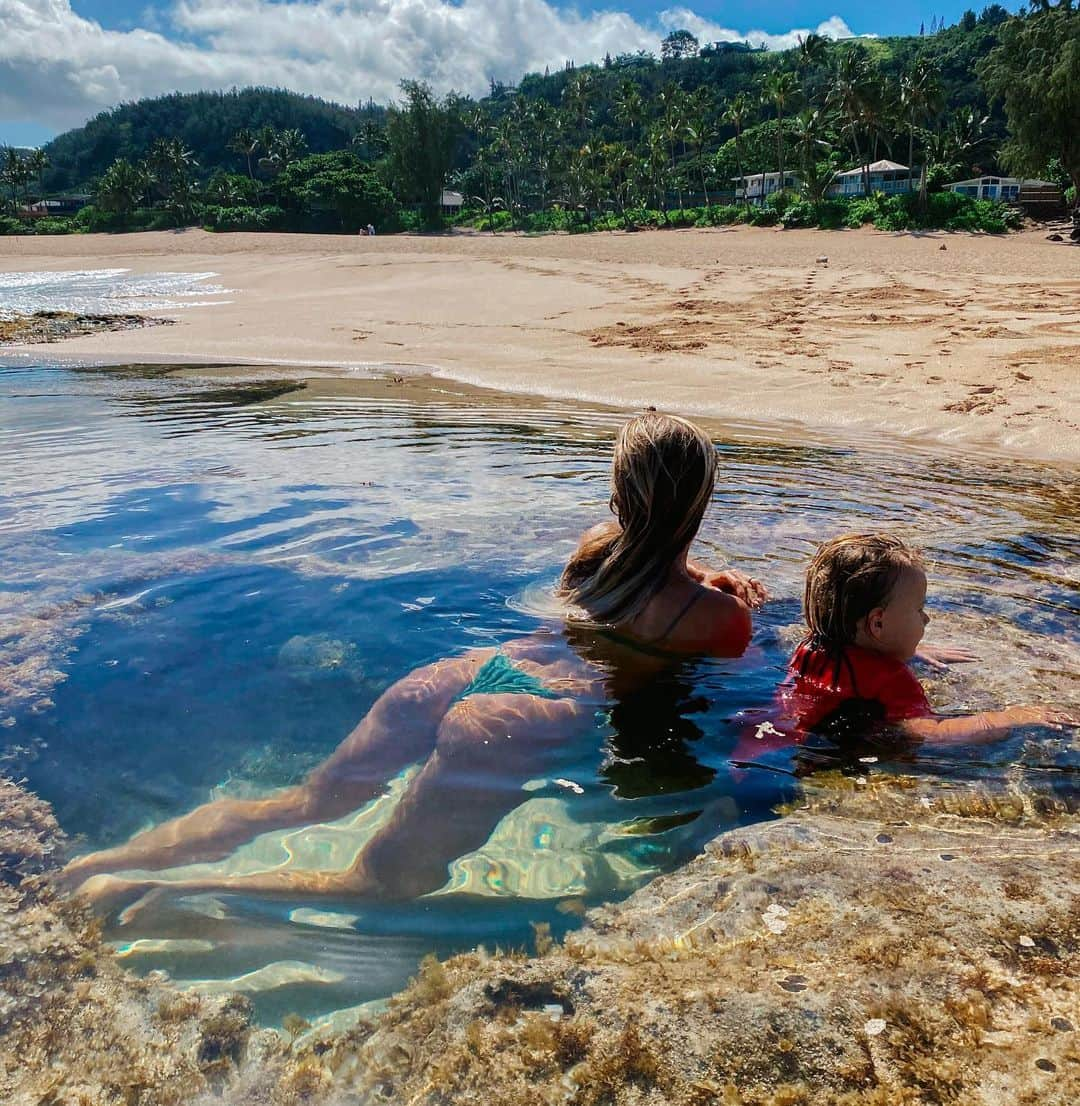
column 874, row 1027
column 1026, row 942
column 883, row 839
column 1045, row 1065
column 1062, row 1024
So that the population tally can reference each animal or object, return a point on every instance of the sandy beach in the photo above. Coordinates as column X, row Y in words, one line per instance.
column 963, row 338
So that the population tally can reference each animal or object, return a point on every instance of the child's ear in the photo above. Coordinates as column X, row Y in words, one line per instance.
column 875, row 621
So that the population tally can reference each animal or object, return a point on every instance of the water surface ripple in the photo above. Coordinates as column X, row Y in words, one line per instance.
column 205, row 586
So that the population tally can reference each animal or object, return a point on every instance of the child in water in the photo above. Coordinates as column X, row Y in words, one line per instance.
column 864, row 606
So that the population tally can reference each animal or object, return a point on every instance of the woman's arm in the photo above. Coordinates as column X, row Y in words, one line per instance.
column 980, row 729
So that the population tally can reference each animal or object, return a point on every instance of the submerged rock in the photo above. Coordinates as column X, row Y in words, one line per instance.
column 886, row 942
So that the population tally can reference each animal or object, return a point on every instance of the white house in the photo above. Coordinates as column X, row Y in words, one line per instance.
column 749, row 187
column 885, row 176
column 451, row 202
column 1008, row 189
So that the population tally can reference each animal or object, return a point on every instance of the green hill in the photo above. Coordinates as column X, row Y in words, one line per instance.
column 205, row 122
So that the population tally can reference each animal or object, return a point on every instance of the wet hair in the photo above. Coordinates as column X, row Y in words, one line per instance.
column 848, row 578
column 662, row 479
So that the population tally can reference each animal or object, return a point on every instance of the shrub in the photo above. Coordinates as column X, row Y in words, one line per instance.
column 242, row 218
column 763, row 217
column 11, row 225
column 831, row 214
column 782, row 200
column 53, row 225
column 801, row 213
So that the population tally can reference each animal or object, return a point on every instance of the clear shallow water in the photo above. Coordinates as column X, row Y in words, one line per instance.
column 205, row 587
column 104, row 291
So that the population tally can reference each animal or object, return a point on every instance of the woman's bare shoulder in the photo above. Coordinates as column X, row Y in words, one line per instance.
column 721, row 624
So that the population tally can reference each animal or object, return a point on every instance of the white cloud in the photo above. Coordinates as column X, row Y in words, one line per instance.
column 706, row 31
column 58, row 69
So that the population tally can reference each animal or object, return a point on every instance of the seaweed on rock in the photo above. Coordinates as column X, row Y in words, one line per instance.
column 881, row 945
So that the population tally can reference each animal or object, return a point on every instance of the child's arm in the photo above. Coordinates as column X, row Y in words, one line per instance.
column 980, row 729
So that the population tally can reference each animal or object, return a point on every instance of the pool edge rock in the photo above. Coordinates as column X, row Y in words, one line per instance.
column 881, row 944
column 55, row 326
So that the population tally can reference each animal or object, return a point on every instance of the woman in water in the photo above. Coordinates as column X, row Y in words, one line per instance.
column 481, row 723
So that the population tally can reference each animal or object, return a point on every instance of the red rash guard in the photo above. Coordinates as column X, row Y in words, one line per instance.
column 836, row 694
column 822, row 682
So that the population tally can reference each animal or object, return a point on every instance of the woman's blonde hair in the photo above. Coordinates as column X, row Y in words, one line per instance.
column 662, row 479
column 848, row 578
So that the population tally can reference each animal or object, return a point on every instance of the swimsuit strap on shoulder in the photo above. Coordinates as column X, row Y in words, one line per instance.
column 679, row 617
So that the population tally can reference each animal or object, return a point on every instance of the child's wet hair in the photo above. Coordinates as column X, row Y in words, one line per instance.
column 848, row 578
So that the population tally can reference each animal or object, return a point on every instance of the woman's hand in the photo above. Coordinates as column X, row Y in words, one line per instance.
column 941, row 656
column 751, row 591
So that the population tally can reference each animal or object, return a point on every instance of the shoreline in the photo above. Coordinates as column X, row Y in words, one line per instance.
column 892, row 336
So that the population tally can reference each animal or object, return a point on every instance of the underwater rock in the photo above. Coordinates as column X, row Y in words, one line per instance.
column 312, row 657
column 887, row 941
column 898, row 974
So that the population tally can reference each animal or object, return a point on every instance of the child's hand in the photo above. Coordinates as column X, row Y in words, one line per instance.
column 1055, row 717
column 752, row 592
column 940, row 656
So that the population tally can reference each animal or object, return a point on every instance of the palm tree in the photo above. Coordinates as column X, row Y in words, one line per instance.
column 699, row 128
column 630, row 108
column 37, row 163
column 736, row 114
column 780, row 88
column 809, row 134
column 850, row 94
column 811, row 51
column 245, row 142
column 121, row 187
column 289, row 146
column 920, row 96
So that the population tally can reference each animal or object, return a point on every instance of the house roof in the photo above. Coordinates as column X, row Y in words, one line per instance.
column 882, row 166
column 975, row 181
column 451, row 199
column 770, row 173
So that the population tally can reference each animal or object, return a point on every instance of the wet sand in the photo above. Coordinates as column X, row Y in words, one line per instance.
column 977, row 343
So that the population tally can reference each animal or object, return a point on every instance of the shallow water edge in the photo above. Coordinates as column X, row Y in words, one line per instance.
column 881, row 944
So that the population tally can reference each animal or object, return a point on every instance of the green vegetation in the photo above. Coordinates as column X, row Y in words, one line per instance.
column 636, row 141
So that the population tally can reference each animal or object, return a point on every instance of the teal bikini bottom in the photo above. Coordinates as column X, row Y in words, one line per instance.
column 498, row 676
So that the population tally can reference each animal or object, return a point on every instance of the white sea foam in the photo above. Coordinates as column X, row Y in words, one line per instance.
column 105, row 291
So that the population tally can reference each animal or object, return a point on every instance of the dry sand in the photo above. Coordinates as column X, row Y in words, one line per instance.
column 977, row 342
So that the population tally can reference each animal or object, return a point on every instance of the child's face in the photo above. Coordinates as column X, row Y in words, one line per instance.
column 898, row 627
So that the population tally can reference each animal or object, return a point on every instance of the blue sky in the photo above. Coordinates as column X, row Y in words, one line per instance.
column 62, row 61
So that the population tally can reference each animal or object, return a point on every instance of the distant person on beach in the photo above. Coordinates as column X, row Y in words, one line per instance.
column 482, row 723
column 371, row 230
column 864, row 604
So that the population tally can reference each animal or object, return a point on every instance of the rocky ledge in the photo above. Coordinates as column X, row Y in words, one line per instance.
column 54, row 326
column 884, row 944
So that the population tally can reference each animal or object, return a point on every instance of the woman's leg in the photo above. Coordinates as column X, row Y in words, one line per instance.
column 400, row 729
column 486, row 746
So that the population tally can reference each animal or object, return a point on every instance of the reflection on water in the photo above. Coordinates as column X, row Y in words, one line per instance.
column 204, row 587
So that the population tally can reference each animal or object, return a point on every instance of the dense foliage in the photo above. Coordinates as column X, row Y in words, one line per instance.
column 634, row 141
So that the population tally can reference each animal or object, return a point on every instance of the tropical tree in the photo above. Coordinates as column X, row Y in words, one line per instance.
column 37, row 163
column 851, row 94
column 780, row 89
column 920, row 97
column 679, row 44
column 1035, row 72
column 121, row 188
column 422, row 133
column 699, row 129
column 736, row 114
column 809, row 130
column 245, row 142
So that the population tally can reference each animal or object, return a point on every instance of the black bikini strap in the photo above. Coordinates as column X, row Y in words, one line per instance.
column 680, row 616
